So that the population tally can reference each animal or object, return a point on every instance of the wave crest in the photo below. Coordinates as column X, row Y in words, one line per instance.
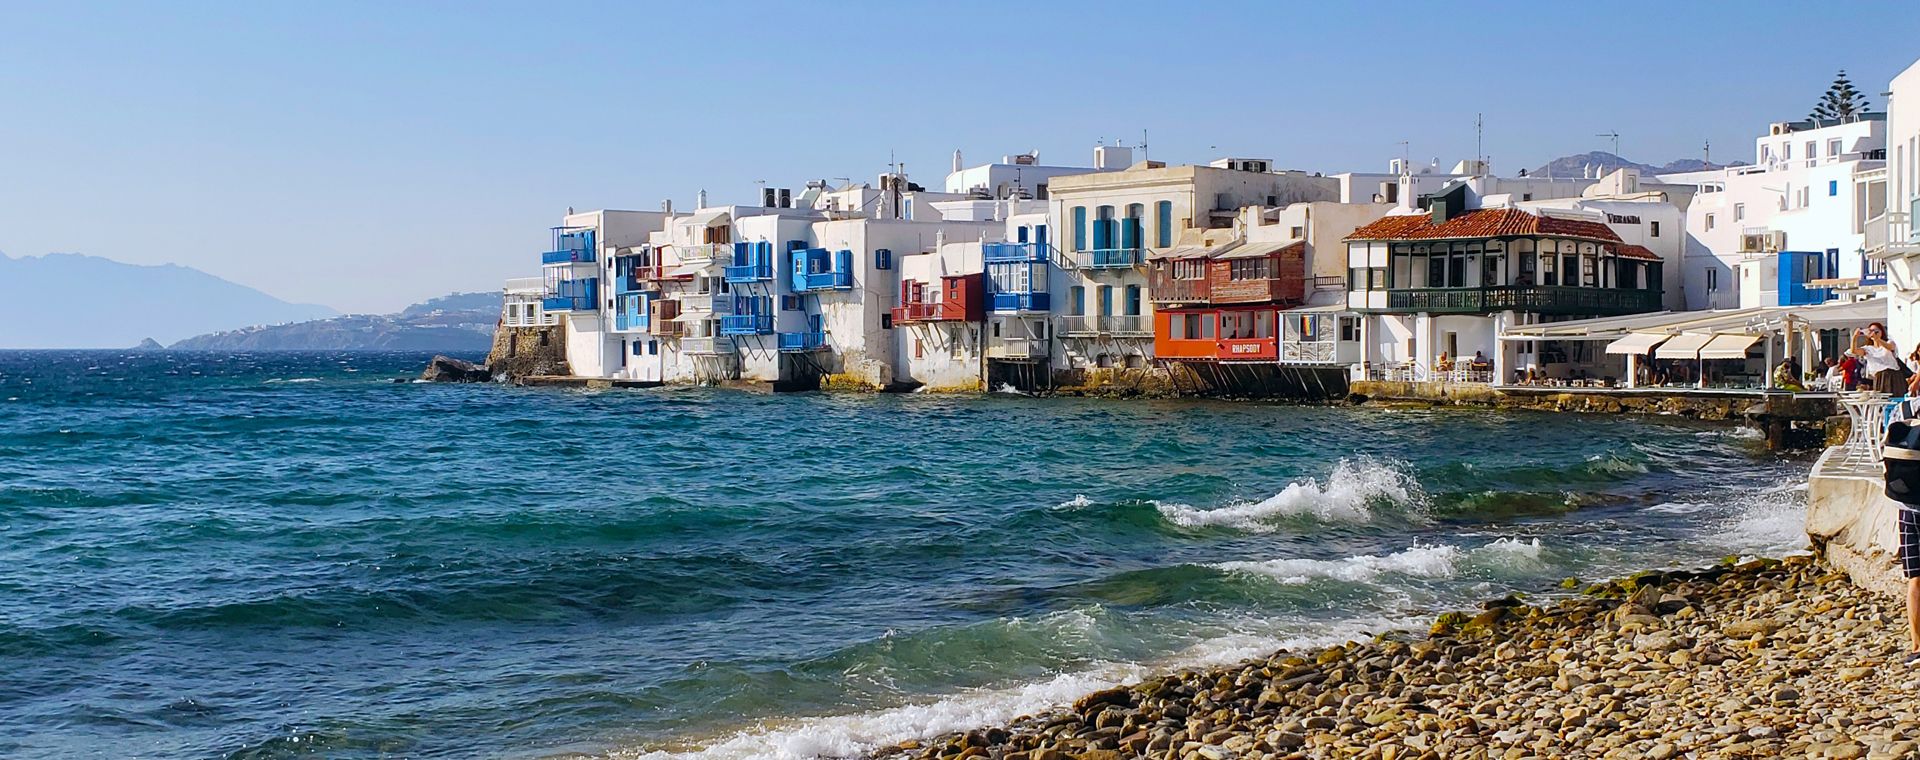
column 1350, row 494
column 1418, row 561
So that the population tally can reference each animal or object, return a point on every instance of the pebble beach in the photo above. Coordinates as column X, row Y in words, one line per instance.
column 1762, row 659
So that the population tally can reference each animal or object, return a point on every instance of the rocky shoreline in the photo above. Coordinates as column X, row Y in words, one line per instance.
column 1769, row 658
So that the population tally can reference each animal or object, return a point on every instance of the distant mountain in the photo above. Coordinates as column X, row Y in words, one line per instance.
column 66, row 300
column 1574, row 166
column 461, row 322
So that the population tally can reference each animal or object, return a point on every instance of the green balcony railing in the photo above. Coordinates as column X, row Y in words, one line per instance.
column 1538, row 299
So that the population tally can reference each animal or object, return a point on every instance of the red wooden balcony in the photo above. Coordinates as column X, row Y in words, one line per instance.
column 942, row 311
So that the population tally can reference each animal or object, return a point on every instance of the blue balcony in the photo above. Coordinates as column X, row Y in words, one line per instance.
column 802, row 342
column 1021, row 302
column 624, row 321
column 573, row 295
column 1013, row 251
column 571, row 245
column 632, row 312
column 746, row 324
column 1110, row 258
column 820, row 269
column 751, row 263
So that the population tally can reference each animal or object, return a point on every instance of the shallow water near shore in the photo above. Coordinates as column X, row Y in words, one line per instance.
column 288, row 555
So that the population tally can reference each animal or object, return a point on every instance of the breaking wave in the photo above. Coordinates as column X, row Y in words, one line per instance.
column 1417, row 561
column 1350, row 494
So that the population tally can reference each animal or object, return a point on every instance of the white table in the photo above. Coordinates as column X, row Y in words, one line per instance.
column 1868, row 412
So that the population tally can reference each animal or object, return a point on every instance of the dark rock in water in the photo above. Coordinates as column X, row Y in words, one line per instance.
column 446, row 369
column 149, row 345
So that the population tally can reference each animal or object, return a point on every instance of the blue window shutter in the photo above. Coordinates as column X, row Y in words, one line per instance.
column 1130, row 233
column 1079, row 228
column 740, row 254
column 1164, row 210
column 843, row 261
column 1833, row 187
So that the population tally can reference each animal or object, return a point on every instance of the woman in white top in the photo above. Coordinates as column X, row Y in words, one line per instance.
column 1880, row 360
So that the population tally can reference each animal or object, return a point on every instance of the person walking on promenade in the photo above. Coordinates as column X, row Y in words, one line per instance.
column 1909, row 533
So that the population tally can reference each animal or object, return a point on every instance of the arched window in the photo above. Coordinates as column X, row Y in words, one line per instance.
column 1131, row 237
column 1163, row 223
column 1103, row 228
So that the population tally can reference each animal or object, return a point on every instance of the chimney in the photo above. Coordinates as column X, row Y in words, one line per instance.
column 786, row 197
column 666, row 207
column 956, row 160
column 700, row 201
column 768, row 197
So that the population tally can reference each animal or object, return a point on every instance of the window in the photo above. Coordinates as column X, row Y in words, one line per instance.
column 1189, row 269
column 1250, row 269
column 1079, row 228
column 1526, row 196
column 1713, row 280
column 1076, row 301
column 1103, row 226
column 1833, row 188
column 1739, row 212
column 886, row 320
column 1163, row 223
column 1106, row 300
column 636, row 348
column 1131, row 306
column 883, row 258
column 653, row 348
column 1296, row 232
column 1811, row 153
column 1349, row 329
column 1709, row 221
column 1833, row 148
column 1653, row 229
column 1786, row 151
column 790, row 302
column 1377, row 278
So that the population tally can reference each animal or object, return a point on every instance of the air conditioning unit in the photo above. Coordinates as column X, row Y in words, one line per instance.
column 1778, row 241
column 1753, row 243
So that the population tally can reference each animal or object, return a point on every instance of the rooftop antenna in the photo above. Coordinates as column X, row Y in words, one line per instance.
column 1406, row 158
column 1615, row 134
column 1706, row 153
column 1143, row 144
column 1479, row 155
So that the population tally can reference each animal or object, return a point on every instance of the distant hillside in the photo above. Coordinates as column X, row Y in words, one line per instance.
column 461, row 322
column 1574, row 166
column 77, row 301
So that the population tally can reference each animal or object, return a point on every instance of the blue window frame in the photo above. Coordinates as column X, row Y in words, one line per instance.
column 1079, row 228
column 1106, row 300
column 882, row 258
column 1076, row 300
column 1163, row 223
column 1132, row 304
column 1103, row 228
column 1833, row 187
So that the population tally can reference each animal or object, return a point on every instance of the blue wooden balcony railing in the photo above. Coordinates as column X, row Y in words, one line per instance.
column 573, row 295
column 1012, row 301
column 570, row 246
column 794, row 342
column 1110, row 258
column 746, row 324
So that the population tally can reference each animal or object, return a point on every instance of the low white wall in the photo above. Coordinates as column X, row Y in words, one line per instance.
column 1852, row 523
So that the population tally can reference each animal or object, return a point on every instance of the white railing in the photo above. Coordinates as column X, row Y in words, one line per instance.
column 1016, row 348
column 536, row 285
column 703, row 254
column 706, row 346
column 1122, row 325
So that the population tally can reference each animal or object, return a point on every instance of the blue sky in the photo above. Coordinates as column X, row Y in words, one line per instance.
column 368, row 155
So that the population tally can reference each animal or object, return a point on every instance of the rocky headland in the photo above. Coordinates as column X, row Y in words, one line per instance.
column 1770, row 658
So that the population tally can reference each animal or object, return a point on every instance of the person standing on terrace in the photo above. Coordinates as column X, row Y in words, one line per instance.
column 1880, row 360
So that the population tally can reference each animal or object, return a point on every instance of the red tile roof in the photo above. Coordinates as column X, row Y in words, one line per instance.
column 1631, row 251
column 1480, row 223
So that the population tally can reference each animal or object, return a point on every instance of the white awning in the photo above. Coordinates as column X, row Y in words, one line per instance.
column 1636, row 344
column 693, row 316
column 687, row 271
column 1728, row 346
column 707, row 218
column 1683, row 346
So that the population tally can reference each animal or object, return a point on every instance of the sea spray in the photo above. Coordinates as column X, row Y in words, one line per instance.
column 1352, row 493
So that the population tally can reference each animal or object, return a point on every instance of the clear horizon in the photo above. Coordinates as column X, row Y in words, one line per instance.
column 366, row 157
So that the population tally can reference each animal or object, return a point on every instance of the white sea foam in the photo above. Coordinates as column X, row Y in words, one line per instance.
column 1768, row 522
column 1511, row 554
column 1677, row 507
column 293, row 380
column 1349, row 495
column 852, row 735
column 1079, row 501
column 1418, row 561
column 1008, row 389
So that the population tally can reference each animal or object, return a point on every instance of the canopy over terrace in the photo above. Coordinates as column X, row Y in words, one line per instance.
column 1673, row 333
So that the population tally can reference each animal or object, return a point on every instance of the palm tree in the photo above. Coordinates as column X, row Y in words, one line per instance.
column 1841, row 102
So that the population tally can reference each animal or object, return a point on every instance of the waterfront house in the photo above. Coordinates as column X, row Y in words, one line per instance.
column 938, row 323
column 1106, row 226
column 576, row 283
column 1450, row 276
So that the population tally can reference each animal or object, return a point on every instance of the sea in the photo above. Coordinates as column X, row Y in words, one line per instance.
column 292, row 555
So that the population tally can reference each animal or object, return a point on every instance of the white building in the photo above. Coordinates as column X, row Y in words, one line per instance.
column 1798, row 214
column 1895, row 238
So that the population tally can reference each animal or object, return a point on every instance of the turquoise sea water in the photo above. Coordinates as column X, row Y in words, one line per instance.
column 289, row 555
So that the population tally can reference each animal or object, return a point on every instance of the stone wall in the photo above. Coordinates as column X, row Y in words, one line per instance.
column 1704, row 407
column 1852, row 524
column 521, row 352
